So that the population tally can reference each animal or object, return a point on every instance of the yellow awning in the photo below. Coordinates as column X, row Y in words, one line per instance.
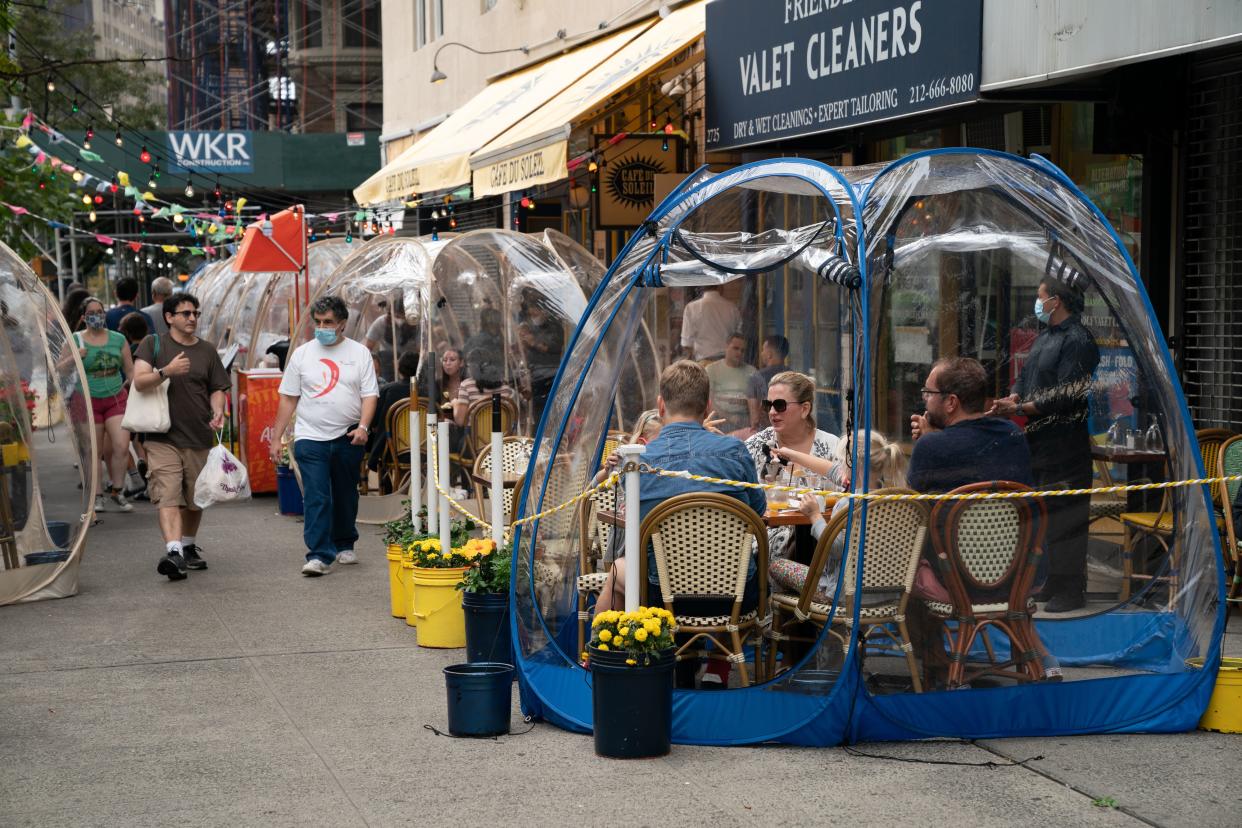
column 441, row 159
column 551, row 123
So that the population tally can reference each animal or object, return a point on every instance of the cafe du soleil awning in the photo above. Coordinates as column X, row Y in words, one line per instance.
column 441, row 159
column 534, row 151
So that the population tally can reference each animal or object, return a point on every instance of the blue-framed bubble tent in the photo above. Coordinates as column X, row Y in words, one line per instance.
column 49, row 460
column 939, row 254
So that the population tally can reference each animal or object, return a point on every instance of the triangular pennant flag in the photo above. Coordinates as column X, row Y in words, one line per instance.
column 41, row 157
column 170, row 248
column 87, row 155
column 134, row 246
column 28, row 120
column 22, row 141
column 160, row 213
column 132, row 191
column 197, row 251
column 103, row 239
column 241, row 202
column 123, row 178
column 21, row 211
column 209, row 250
column 177, row 209
column 148, row 196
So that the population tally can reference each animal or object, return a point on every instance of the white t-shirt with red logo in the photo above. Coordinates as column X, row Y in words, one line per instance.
column 329, row 382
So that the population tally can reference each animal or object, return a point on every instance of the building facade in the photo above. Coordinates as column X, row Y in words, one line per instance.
column 130, row 29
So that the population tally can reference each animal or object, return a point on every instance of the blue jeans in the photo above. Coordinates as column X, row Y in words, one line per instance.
column 329, row 471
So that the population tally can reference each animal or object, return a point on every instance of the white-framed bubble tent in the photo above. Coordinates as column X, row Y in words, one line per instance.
column 47, row 436
column 472, row 292
column 934, row 255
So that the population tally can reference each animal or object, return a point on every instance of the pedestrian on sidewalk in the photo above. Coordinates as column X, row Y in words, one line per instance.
column 197, row 389
column 330, row 382
column 161, row 289
column 106, row 358
column 126, row 294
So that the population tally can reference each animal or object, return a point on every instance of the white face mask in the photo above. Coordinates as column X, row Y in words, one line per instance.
column 1041, row 314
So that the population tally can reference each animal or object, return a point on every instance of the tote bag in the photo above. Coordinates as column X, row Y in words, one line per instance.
column 147, row 411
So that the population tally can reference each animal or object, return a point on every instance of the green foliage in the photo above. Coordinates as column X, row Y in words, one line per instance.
column 642, row 634
column 1105, row 802
column 20, row 185
column 44, row 40
column 489, row 573
column 402, row 531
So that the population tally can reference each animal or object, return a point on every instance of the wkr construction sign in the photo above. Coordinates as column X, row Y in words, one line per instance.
column 210, row 152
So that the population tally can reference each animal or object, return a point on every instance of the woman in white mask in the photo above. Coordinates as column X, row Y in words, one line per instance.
column 109, row 369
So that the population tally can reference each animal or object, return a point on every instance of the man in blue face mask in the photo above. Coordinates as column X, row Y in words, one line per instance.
column 330, row 382
column 1052, row 392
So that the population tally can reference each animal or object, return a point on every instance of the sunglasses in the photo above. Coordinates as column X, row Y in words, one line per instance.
column 778, row 405
column 188, row 314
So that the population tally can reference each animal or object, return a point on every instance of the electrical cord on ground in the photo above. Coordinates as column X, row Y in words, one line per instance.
column 530, row 720
column 1009, row 763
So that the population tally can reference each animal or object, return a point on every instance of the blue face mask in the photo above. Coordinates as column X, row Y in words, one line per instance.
column 1041, row 314
column 326, row 336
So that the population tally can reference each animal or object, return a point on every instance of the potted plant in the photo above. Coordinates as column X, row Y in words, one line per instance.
column 485, row 603
column 631, row 658
column 436, row 605
column 12, row 400
column 398, row 535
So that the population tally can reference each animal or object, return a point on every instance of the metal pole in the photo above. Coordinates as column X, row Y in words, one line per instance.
column 433, row 510
column 631, row 454
column 498, row 483
column 73, row 265
column 416, row 463
column 446, row 524
column 60, row 263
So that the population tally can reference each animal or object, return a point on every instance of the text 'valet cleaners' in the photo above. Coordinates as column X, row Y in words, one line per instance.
column 885, row 35
column 784, row 68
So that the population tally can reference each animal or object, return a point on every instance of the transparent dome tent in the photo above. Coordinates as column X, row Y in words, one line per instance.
column 936, row 256
column 47, row 439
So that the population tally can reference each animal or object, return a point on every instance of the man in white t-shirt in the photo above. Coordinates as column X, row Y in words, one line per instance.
column 330, row 382
column 707, row 323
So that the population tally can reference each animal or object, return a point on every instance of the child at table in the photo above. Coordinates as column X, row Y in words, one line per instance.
column 888, row 470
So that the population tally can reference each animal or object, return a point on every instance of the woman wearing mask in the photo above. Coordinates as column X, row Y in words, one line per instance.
column 109, row 368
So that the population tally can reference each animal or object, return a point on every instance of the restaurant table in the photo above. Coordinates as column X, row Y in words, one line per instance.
column 507, row 480
column 1142, row 464
column 780, row 517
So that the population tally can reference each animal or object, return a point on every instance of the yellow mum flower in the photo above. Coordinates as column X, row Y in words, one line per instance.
column 597, row 621
column 605, row 635
column 623, row 631
column 640, row 634
column 630, row 662
column 431, row 556
column 603, row 647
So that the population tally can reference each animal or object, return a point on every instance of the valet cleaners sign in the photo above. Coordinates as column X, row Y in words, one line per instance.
column 783, row 68
column 218, row 152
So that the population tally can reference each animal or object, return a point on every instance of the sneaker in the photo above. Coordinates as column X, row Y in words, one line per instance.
column 346, row 557
column 192, row 559
column 101, row 503
column 122, row 505
column 172, row 565
column 315, row 567
column 1065, row 602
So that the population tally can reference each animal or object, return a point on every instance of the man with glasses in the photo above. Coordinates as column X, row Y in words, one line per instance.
column 956, row 443
column 330, row 382
column 197, row 389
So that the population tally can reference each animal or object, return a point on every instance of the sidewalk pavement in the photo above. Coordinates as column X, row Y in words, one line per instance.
column 250, row 695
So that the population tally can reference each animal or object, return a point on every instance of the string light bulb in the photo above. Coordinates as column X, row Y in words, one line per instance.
column 189, row 186
column 98, row 199
column 86, row 199
column 592, row 167
column 145, row 155
column 77, row 175
column 91, row 214
column 119, row 140
column 51, row 85
column 75, row 105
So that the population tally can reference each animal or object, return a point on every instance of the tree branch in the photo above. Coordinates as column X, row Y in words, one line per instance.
column 58, row 65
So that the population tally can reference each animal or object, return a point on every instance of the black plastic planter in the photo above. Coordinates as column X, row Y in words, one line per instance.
column 632, row 705
column 487, row 627
column 479, row 698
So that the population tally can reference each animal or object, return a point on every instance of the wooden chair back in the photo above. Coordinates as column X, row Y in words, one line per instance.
column 895, row 532
column 990, row 546
column 1229, row 463
column 479, row 422
column 1211, row 440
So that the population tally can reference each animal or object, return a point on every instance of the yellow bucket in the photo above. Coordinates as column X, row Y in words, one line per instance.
column 396, row 587
column 441, row 621
column 407, row 583
column 1224, row 710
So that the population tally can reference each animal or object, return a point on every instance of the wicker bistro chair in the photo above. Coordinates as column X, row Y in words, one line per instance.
column 515, row 454
column 397, row 424
column 896, row 531
column 989, row 547
column 479, row 427
column 594, row 535
column 1158, row 526
column 703, row 543
column 1230, row 463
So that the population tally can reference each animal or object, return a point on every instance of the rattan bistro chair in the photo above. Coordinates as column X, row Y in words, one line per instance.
column 1158, row 526
column 397, row 424
column 515, row 455
column 1229, row 464
column 703, row 543
column 594, row 536
column 479, row 427
column 896, row 531
column 989, row 549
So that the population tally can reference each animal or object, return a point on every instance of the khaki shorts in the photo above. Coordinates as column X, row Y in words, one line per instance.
column 172, row 473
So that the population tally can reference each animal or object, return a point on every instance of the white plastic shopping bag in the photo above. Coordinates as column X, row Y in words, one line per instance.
column 222, row 479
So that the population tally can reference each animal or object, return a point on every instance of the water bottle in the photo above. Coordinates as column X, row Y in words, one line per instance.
column 1154, row 441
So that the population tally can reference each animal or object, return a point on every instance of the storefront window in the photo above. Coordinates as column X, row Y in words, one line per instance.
column 1113, row 181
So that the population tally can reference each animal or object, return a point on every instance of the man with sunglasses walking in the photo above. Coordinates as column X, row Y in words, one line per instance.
column 197, row 389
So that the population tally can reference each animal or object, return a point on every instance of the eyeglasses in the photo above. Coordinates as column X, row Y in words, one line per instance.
column 927, row 392
column 188, row 314
column 779, row 405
